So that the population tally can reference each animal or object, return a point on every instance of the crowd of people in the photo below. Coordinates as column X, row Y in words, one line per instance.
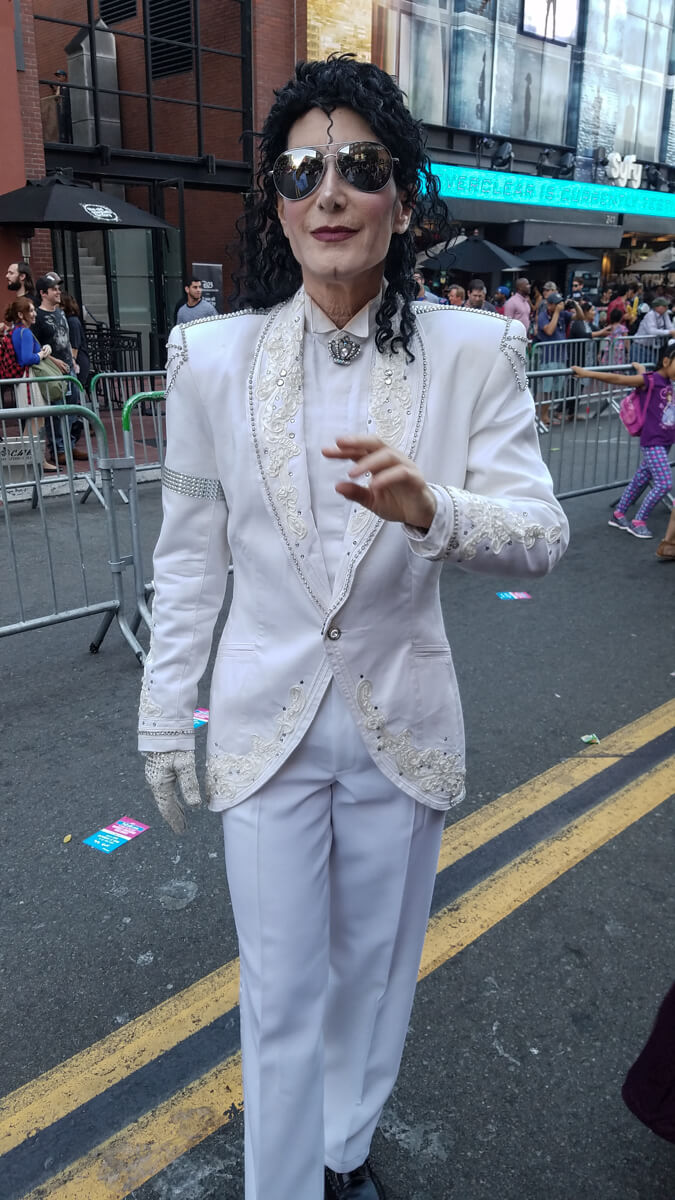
column 43, row 337
column 649, row 312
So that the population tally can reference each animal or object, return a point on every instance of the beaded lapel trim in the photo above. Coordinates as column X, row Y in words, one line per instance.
column 275, row 412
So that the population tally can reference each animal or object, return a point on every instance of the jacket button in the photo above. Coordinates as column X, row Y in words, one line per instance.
column 334, row 633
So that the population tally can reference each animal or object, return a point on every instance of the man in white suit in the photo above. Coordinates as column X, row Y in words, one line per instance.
column 339, row 447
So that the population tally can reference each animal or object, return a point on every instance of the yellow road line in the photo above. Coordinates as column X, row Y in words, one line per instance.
column 49, row 1097
column 132, row 1156
column 136, row 1154
column 637, row 734
column 87, row 1074
column 455, row 927
column 492, row 819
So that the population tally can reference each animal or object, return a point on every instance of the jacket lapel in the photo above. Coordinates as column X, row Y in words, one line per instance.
column 275, row 407
column 396, row 407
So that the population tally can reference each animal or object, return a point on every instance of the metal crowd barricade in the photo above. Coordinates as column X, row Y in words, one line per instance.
column 17, row 459
column 109, row 393
column 584, row 442
column 592, row 352
column 53, row 568
column 143, row 589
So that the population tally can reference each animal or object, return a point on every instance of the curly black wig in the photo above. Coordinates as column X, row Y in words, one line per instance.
column 269, row 273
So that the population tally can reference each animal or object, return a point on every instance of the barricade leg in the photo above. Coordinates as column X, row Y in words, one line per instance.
column 117, row 564
column 142, row 612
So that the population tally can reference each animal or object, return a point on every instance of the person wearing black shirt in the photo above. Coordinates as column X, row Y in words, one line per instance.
column 51, row 328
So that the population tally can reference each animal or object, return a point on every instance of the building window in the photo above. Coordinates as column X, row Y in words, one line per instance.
column 113, row 11
column 170, row 22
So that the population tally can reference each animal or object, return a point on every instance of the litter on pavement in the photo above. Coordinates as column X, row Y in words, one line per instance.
column 112, row 836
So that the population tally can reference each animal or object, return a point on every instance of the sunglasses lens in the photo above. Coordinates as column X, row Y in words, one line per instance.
column 365, row 165
column 297, row 173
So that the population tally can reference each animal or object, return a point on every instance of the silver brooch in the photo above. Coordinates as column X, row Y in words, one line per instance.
column 343, row 349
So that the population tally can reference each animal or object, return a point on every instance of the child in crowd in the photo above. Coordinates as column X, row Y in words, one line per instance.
column 656, row 436
column 613, row 353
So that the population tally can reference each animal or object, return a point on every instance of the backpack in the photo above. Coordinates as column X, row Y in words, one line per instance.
column 633, row 410
column 9, row 363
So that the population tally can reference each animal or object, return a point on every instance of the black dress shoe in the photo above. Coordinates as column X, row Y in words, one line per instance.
column 361, row 1184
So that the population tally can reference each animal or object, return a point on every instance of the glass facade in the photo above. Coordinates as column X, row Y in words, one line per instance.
column 597, row 74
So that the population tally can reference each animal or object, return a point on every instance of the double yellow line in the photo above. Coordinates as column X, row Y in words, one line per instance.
column 138, row 1152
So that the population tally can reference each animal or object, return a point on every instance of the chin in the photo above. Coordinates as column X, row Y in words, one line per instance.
column 337, row 264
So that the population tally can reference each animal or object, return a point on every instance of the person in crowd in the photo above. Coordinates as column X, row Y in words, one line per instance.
column 632, row 299
column 51, row 328
column 657, row 322
column 78, row 338
column 666, row 547
column 518, row 305
column 618, row 301
column 498, row 302
column 315, row 440
column 584, row 323
column 422, row 292
column 194, row 306
column 615, row 347
column 577, row 290
column 601, row 307
column 656, row 437
column 551, row 332
column 476, row 297
column 455, row 294
column 20, row 318
column 20, row 280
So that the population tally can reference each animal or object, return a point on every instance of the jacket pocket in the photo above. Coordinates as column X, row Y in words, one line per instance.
column 235, row 649
column 435, row 651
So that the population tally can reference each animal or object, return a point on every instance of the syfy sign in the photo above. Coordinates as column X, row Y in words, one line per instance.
column 624, row 172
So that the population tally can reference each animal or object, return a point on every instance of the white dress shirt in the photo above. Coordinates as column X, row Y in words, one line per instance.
column 336, row 403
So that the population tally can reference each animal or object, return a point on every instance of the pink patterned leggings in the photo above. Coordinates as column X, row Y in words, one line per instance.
column 654, row 466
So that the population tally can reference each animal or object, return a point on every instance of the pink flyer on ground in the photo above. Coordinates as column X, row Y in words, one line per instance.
column 126, row 827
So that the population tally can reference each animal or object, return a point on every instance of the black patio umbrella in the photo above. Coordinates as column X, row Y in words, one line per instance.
column 551, row 251
column 58, row 202
column 476, row 255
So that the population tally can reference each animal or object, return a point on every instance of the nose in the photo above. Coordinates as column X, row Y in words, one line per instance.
column 331, row 193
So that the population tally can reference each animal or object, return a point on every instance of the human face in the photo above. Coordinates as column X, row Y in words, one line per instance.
column 476, row 297
column 454, row 296
column 524, row 287
column 52, row 297
column 194, row 291
column 13, row 278
column 339, row 235
column 29, row 318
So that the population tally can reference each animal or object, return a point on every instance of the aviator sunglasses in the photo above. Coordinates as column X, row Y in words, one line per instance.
column 363, row 165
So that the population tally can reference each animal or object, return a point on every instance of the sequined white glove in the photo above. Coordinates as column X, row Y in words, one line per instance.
column 171, row 773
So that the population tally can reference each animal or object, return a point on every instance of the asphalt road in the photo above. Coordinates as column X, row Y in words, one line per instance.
column 511, row 1078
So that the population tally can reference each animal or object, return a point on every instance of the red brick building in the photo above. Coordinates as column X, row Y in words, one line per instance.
column 154, row 101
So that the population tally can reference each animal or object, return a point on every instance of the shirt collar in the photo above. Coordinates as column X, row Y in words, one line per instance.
column 361, row 325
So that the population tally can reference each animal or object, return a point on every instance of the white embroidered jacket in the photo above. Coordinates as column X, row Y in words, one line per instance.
column 236, row 485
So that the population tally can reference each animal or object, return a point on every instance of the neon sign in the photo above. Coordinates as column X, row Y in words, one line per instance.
column 503, row 187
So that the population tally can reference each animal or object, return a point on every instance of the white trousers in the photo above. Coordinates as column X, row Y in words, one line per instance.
column 331, row 871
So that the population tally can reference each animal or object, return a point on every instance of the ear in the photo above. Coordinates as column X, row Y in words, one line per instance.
column 282, row 215
column 402, row 213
